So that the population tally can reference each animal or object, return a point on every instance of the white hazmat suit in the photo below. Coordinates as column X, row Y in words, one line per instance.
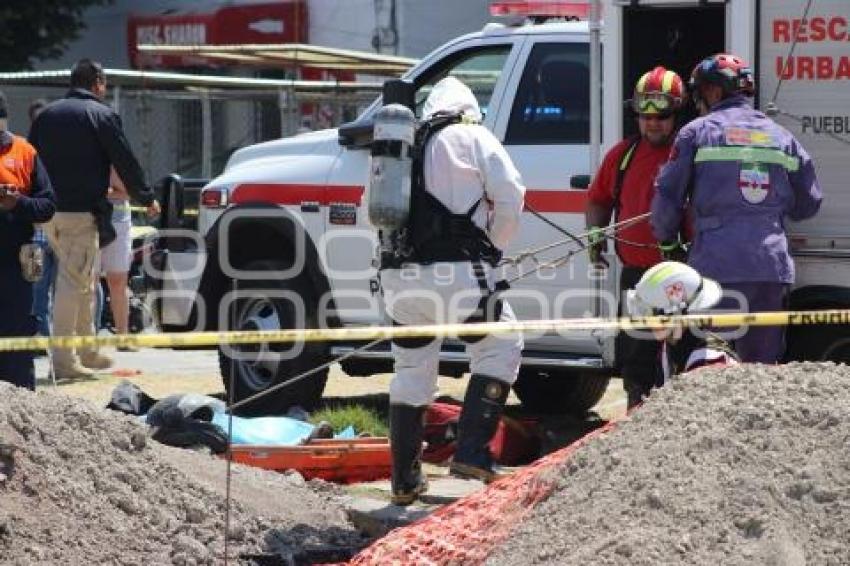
column 462, row 164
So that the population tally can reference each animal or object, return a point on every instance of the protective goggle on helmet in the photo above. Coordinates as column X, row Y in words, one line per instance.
column 658, row 91
column 672, row 288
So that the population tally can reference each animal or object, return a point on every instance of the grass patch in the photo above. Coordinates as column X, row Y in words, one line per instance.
column 362, row 419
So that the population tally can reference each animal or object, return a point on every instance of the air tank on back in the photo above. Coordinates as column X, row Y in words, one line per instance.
column 391, row 164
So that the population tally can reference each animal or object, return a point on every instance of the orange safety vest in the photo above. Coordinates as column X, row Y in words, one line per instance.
column 17, row 162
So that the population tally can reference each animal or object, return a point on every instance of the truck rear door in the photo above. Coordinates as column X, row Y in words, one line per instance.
column 805, row 86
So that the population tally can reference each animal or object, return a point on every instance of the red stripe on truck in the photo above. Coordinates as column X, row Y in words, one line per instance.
column 557, row 201
column 280, row 193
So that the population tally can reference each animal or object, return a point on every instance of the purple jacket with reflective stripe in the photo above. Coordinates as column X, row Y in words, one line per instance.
column 748, row 174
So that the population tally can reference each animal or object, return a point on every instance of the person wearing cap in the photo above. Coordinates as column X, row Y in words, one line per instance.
column 26, row 197
column 622, row 189
column 740, row 175
column 79, row 137
column 672, row 288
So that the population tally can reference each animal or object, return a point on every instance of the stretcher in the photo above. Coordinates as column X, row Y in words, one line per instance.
column 343, row 461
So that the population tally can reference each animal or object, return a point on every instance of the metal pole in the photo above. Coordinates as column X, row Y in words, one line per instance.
column 595, row 85
column 281, row 107
column 598, row 275
column 206, row 135
column 294, row 112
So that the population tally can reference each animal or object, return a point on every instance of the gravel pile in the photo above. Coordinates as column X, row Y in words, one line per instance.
column 82, row 485
column 745, row 465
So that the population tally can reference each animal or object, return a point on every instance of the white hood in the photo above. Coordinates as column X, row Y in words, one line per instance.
column 449, row 96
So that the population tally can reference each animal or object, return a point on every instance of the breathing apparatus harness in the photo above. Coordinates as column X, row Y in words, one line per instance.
column 433, row 232
column 436, row 234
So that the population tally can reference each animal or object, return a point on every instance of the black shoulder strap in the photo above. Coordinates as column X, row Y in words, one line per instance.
column 436, row 123
column 424, row 132
column 622, row 167
column 473, row 208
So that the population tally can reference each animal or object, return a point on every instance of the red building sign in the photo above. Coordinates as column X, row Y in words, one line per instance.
column 279, row 22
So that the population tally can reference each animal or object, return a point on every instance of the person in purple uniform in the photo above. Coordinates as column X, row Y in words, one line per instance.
column 740, row 175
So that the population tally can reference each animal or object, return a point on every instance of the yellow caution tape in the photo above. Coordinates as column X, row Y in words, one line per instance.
column 186, row 211
column 188, row 339
column 142, row 232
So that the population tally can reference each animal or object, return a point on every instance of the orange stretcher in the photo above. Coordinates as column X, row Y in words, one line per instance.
column 344, row 461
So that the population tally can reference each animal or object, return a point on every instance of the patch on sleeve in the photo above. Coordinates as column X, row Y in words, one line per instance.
column 749, row 137
column 754, row 182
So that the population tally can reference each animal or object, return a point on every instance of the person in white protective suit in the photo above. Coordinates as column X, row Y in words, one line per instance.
column 466, row 202
column 673, row 288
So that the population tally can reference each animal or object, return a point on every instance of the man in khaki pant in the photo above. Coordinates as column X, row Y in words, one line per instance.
column 73, row 237
column 79, row 138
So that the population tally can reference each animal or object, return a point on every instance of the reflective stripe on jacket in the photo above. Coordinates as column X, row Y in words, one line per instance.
column 747, row 173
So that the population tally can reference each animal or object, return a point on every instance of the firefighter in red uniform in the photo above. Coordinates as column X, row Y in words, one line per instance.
column 26, row 197
column 622, row 189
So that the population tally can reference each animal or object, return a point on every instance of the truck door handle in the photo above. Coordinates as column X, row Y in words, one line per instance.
column 309, row 206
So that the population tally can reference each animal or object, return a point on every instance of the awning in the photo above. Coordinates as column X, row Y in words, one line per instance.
column 287, row 55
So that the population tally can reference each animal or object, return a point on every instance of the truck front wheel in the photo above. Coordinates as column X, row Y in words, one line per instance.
column 559, row 392
column 253, row 368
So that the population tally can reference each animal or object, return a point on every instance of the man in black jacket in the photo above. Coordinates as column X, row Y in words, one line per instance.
column 26, row 197
column 78, row 138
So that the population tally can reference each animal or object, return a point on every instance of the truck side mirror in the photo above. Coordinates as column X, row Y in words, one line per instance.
column 580, row 182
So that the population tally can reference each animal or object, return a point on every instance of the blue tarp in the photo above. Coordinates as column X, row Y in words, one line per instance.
column 272, row 431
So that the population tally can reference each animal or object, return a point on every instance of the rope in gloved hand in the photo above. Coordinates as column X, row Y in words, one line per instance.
column 560, row 229
column 581, row 238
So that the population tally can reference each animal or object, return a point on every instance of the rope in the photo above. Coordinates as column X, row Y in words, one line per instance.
column 773, row 109
column 790, row 54
column 299, row 377
column 608, row 231
column 632, row 243
column 563, row 231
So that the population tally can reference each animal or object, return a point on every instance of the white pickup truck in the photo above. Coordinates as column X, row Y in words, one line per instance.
column 283, row 239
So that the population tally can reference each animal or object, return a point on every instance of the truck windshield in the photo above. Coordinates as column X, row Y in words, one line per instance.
column 478, row 68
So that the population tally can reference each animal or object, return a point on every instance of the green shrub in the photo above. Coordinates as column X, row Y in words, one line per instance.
column 362, row 419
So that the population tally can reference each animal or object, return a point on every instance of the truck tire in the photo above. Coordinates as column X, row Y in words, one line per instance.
column 256, row 367
column 559, row 392
column 826, row 343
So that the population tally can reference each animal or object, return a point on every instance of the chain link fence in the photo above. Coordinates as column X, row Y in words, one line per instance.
column 194, row 132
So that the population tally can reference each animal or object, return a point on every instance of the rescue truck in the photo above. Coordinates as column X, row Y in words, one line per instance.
column 287, row 218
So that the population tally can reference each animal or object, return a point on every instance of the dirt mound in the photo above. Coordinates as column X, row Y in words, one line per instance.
column 82, row 485
column 745, row 465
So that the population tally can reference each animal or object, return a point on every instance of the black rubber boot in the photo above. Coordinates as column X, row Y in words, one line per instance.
column 407, row 429
column 483, row 405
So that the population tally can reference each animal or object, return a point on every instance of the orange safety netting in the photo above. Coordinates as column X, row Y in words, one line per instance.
column 466, row 531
